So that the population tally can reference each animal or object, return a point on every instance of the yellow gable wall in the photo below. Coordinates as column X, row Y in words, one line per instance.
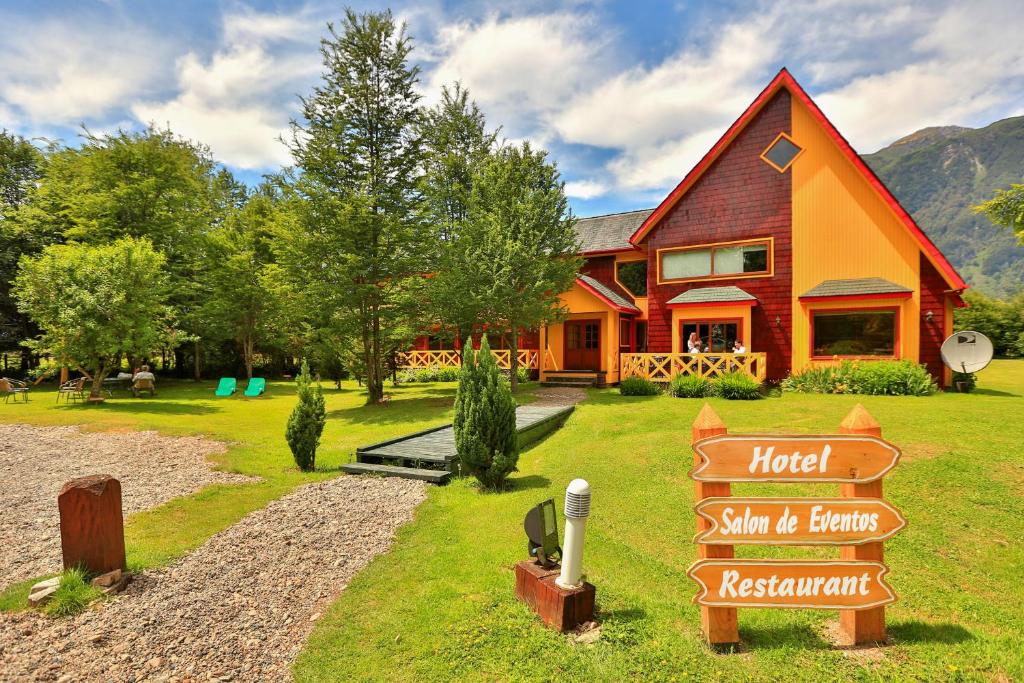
column 842, row 229
column 583, row 305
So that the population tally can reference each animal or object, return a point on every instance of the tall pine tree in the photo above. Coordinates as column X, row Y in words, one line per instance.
column 358, row 148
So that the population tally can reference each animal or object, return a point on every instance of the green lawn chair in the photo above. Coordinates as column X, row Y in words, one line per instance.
column 256, row 386
column 227, row 386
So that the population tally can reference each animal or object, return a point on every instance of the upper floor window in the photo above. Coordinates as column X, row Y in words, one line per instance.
column 716, row 261
column 781, row 153
column 632, row 275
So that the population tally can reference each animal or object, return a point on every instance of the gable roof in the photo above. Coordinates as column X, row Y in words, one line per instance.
column 856, row 288
column 609, row 233
column 712, row 295
column 606, row 294
column 785, row 80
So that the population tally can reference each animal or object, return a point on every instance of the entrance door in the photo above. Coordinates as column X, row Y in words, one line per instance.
column 716, row 336
column 583, row 345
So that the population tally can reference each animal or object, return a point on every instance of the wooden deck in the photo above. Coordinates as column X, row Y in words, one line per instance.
column 430, row 454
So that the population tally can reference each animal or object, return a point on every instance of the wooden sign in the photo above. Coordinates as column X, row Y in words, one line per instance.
column 842, row 458
column 807, row 584
column 797, row 521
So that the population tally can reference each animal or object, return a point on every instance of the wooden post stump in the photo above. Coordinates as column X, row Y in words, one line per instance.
column 865, row 625
column 719, row 624
column 91, row 524
column 563, row 609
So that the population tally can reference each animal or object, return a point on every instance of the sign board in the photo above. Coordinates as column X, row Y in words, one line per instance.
column 841, row 458
column 797, row 521
column 806, row 584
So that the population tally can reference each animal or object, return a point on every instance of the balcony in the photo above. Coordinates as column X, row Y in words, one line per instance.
column 662, row 367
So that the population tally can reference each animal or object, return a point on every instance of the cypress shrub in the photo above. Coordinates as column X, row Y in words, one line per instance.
column 638, row 386
column 485, row 420
column 306, row 423
column 690, row 386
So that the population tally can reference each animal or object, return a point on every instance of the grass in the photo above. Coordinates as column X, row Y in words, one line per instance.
column 440, row 605
column 73, row 594
column 254, row 430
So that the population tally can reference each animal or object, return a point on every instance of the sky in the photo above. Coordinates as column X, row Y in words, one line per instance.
column 626, row 96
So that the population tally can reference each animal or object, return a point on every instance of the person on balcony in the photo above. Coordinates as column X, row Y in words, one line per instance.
column 738, row 347
column 693, row 345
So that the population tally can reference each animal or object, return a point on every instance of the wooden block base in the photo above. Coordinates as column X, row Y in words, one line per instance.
column 559, row 608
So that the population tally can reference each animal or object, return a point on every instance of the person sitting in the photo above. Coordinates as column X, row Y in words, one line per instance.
column 144, row 380
column 693, row 345
column 738, row 347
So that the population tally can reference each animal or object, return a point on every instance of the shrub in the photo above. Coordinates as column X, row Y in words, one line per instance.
column 737, row 386
column 638, row 386
column 893, row 378
column 73, row 594
column 426, row 374
column 448, row 373
column 406, row 376
column 968, row 378
column 690, row 386
column 306, row 423
column 485, row 420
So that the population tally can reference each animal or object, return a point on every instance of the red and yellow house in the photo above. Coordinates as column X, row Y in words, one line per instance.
column 782, row 238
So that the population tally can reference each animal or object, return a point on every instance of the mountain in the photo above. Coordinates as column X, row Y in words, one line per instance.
column 939, row 173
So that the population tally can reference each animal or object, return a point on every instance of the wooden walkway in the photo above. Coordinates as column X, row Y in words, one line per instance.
column 429, row 455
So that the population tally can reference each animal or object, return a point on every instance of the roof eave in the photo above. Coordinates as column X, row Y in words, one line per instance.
column 611, row 304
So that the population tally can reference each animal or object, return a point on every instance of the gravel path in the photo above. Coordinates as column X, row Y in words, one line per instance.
column 559, row 396
column 35, row 462
column 238, row 608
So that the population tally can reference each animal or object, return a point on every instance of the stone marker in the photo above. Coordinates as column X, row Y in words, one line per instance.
column 91, row 524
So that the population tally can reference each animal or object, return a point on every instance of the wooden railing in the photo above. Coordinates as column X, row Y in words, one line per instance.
column 528, row 358
column 662, row 367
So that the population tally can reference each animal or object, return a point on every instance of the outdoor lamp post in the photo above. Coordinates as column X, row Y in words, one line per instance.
column 577, row 509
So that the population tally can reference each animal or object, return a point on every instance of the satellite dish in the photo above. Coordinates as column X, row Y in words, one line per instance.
column 967, row 351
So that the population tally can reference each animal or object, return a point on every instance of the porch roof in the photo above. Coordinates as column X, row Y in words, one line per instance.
column 606, row 294
column 858, row 288
column 713, row 295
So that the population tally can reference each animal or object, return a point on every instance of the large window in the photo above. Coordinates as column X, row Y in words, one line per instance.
column 854, row 333
column 716, row 261
column 714, row 336
column 633, row 276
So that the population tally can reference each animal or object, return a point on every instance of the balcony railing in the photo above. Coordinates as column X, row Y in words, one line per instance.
column 662, row 367
column 528, row 358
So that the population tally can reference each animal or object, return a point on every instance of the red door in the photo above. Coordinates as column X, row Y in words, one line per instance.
column 583, row 345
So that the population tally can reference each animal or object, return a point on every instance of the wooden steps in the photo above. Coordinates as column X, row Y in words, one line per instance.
column 429, row 455
column 432, row 476
column 574, row 378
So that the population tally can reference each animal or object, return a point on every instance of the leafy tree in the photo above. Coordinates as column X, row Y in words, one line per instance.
column 1006, row 208
column 96, row 304
column 485, row 419
column 359, row 154
column 1001, row 321
column 247, row 297
column 306, row 423
column 456, row 142
column 518, row 247
column 20, row 169
column 150, row 185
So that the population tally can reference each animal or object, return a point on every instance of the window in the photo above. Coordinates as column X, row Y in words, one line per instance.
column 716, row 336
column 624, row 334
column 641, row 337
column 632, row 275
column 854, row 333
column 781, row 153
column 752, row 258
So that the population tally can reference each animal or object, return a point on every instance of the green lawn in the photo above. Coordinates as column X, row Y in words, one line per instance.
column 441, row 605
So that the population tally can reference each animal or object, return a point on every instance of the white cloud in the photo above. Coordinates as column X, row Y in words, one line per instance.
column 70, row 71
column 520, row 69
column 585, row 189
column 240, row 100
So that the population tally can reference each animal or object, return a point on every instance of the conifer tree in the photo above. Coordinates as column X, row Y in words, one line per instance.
column 306, row 423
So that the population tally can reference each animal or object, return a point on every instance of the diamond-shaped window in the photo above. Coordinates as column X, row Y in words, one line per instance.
column 781, row 153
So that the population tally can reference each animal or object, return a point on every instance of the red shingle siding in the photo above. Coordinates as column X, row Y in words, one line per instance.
column 738, row 197
column 600, row 268
column 933, row 299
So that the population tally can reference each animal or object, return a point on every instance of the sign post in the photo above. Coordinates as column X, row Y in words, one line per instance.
column 719, row 624
column 858, row 522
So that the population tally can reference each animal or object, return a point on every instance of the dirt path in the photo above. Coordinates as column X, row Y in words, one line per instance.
column 35, row 462
column 239, row 608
